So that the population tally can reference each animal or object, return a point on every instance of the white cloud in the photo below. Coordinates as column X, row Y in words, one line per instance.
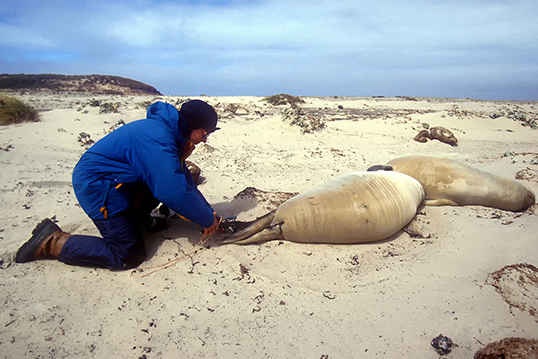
column 253, row 45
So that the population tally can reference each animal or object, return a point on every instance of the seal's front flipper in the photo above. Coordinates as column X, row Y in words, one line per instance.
column 413, row 229
column 440, row 202
column 252, row 228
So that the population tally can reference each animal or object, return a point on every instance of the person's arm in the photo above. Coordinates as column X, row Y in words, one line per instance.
column 160, row 167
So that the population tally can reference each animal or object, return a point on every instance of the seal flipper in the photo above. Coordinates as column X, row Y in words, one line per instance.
column 413, row 229
column 255, row 230
column 440, row 202
column 268, row 234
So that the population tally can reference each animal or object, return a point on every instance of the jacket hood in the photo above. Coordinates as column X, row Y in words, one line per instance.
column 168, row 114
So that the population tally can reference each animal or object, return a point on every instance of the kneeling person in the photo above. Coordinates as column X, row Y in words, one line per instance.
column 122, row 178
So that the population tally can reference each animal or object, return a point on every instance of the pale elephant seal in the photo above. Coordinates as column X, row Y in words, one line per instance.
column 449, row 182
column 352, row 208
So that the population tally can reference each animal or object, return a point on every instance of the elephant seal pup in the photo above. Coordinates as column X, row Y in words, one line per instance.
column 352, row 208
column 449, row 182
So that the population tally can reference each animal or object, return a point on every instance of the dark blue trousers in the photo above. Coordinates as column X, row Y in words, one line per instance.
column 121, row 245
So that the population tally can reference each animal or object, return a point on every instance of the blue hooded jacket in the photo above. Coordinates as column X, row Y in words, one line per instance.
column 144, row 151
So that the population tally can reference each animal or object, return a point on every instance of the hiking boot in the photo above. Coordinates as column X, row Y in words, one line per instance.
column 47, row 241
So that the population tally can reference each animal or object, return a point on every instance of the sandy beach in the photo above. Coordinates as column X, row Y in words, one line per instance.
column 278, row 299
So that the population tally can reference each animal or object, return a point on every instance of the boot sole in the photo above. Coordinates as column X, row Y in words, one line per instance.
column 41, row 232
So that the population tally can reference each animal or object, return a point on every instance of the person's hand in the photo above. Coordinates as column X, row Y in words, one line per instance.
column 214, row 227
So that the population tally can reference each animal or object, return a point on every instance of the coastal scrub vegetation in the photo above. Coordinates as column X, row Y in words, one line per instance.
column 295, row 114
column 284, row 99
column 104, row 107
column 13, row 110
column 298, row 117
column 97, row 84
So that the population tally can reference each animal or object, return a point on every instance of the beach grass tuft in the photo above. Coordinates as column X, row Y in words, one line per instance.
column 13, row 110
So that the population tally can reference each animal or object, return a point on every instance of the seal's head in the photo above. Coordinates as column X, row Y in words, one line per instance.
column 529, row 200
column 379, row 168
column 199, row 115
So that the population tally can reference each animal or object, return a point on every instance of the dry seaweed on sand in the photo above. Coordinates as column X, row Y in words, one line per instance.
column 508, row 348
column 518, row 286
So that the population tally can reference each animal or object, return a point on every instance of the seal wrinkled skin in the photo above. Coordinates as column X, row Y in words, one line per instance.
column 444, row 135
column 449, row 182
column 352, row 208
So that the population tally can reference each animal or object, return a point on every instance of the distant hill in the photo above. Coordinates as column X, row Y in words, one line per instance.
column 94, row 84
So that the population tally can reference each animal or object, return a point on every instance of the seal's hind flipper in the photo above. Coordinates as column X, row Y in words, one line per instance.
column 252, row 229
column 267, row 234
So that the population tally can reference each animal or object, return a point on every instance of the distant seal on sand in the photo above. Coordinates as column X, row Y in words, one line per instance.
column 449, row 182
column 444, row 135
column 352, row 208
column 437, row 133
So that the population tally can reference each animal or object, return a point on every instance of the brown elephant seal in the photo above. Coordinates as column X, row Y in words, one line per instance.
column 437, row 133
column 423, row 136
column 444, row 135
column 352, row 208
column 449, row 182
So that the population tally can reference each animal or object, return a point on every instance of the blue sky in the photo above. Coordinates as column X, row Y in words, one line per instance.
column 460, row 48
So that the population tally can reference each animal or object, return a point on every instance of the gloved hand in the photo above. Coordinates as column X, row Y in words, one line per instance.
column 214, row 227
